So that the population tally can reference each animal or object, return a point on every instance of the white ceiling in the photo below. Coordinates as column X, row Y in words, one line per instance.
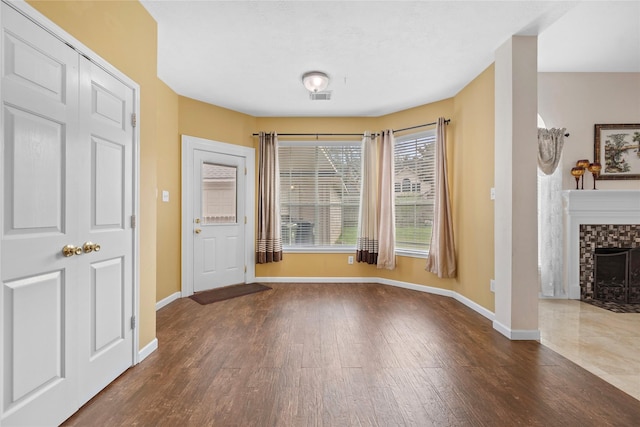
column 382, row 56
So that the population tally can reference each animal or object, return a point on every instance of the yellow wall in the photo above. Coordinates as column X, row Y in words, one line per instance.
column 168, row 179
column 472, row 151
column 179, row 116
column 124, row 34
column 216, row 123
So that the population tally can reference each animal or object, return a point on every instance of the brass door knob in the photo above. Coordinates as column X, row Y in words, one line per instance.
column 198, row 231
column 70, row 250
column 90, row 247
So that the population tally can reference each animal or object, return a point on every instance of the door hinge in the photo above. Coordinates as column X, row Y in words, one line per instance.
column 245, row 171
column 133, row 322
column 133, row 221
column 245, row 268
column 134, row 119
column 245, row 219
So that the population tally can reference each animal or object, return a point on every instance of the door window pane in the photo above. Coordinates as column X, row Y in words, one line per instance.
column 218, row 194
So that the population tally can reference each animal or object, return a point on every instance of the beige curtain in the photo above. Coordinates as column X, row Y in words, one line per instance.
column 550, row 143
column 386, row 205
column 367, row 243
column 442, row 256
column 269, row 244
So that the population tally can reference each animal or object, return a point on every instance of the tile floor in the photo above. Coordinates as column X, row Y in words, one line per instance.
column 606, row 344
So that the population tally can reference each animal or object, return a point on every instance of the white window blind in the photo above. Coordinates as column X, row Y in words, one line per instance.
column 319, row 193
column 414, row 190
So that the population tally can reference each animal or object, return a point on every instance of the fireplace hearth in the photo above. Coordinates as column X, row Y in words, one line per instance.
column 617, row 275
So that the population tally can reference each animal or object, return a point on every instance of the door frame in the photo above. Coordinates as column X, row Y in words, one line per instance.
column 48, row 25
column 189, row 145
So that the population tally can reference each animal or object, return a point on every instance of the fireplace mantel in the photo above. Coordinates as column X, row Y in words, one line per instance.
column 593, row 207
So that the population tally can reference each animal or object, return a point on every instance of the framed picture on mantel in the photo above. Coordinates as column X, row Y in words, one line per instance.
column 617, row 148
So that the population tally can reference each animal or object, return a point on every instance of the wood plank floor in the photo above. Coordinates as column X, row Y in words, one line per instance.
column 349, row 355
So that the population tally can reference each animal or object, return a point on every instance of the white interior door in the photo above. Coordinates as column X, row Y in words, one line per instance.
column 66, row 182
column 219, row 223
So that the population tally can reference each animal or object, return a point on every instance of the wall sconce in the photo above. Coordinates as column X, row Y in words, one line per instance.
column 315, row 81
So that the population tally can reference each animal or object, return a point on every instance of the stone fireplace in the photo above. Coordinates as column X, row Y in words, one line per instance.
column 602, row 219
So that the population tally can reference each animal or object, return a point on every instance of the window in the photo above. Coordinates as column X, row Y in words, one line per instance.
column 319, row 194
column 218, row 194
column 414, row 190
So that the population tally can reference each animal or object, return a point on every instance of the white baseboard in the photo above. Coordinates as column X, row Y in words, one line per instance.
column 168, row 300
column 517, row 334
column 422, row 288
column 316, row 280
column 474, row 306
column 147, row 350
column 414, row 287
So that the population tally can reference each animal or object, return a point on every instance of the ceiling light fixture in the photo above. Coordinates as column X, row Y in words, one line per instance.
column 315, row 81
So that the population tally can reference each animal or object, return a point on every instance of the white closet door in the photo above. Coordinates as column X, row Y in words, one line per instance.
column 105, row 287
column 67, row 169
column 40, row 199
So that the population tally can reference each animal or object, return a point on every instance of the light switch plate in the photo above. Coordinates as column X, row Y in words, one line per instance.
column 165, row 196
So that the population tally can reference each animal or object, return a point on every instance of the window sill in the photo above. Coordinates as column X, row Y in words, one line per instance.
column 346, row 250
column 412, row 254
column 317, row 250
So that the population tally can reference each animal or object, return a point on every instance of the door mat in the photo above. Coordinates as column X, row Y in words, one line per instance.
column 228, row 292
column 614, row 306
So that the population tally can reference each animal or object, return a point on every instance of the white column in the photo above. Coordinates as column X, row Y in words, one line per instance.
column 516, row 260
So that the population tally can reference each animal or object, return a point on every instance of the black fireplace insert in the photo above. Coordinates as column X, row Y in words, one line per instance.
column 617, row 275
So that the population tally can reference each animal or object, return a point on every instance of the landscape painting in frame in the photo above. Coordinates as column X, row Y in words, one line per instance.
column 617, row 149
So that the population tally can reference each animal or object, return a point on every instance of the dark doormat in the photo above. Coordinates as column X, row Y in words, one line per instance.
column 228, row 292
column 614, row 306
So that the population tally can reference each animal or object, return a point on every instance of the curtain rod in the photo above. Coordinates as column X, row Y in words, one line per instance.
column 316, row 134
column 354, row 134
column 446, row 122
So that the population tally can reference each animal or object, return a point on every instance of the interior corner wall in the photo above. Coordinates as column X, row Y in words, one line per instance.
column 202, row 120
column 578, row 101
column 472, row 165
column 124, row 34
column 168, row 249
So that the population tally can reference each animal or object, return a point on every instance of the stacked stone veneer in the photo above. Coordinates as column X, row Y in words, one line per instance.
column 602, row 236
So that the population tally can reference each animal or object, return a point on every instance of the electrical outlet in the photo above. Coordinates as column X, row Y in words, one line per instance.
column 350, row 260
column 492, row 285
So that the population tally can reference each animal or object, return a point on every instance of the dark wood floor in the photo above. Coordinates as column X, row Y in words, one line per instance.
column 344, row 355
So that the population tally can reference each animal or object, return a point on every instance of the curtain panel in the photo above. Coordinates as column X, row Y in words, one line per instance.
column 442, row 257
column 550, row 143
column 550, row 262
column 386, row 205
column 269, row 243
column 367, row 240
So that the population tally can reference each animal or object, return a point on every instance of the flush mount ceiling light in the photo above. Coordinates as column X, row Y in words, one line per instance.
column 315, row 81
